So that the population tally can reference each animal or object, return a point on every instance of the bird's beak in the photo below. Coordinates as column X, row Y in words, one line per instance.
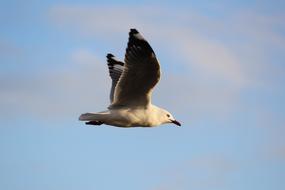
column 176, row 122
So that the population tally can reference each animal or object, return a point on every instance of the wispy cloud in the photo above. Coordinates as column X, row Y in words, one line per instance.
column 219, row 58
column 84, row 56
column 207, row 59
column 56, row 94
column 202, row 42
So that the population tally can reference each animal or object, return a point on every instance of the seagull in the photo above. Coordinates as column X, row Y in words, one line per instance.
column 132, row 84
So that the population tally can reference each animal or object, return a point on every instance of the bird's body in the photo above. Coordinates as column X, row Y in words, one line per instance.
column 128, row 117
column 132, row 86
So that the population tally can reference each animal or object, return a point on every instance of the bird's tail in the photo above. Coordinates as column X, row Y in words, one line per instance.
column 92, row 116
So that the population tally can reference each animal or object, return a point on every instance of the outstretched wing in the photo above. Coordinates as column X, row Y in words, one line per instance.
column 141, row 73
column 116, row 68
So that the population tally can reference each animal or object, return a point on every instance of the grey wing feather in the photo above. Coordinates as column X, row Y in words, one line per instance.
column 116, row 68
column 141, row 73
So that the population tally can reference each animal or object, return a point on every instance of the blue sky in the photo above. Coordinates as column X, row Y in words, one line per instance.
column 223, row 74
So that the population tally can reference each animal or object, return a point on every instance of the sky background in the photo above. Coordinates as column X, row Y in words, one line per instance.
column 223, row 76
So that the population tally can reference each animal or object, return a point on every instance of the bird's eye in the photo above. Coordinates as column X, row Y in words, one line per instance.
column 167, row 115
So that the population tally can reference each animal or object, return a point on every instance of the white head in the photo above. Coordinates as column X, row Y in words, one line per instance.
column 166, row 117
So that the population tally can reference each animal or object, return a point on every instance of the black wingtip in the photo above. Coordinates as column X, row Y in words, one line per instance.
column 109, row 55
column 133, row 31
column 111, row 60
column 134, row 34
column 135, row 38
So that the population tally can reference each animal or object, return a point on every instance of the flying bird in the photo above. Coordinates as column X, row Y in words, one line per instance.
column 132, row 84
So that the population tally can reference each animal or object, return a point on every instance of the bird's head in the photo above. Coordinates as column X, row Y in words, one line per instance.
column 167, row 117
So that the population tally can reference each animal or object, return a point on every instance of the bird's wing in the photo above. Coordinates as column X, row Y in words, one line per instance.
column 141, row 73
column 116, row 68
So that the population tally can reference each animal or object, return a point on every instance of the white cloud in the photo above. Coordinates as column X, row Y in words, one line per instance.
column 64, row 93
column 204, row 43
column 216, row 68
column 84, row 56
column 210, row 60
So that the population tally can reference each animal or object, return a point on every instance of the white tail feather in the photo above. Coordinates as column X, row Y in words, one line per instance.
column 88, row 117
column 101, row 116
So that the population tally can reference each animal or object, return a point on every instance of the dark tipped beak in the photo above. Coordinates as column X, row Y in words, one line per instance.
column 176, row 122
